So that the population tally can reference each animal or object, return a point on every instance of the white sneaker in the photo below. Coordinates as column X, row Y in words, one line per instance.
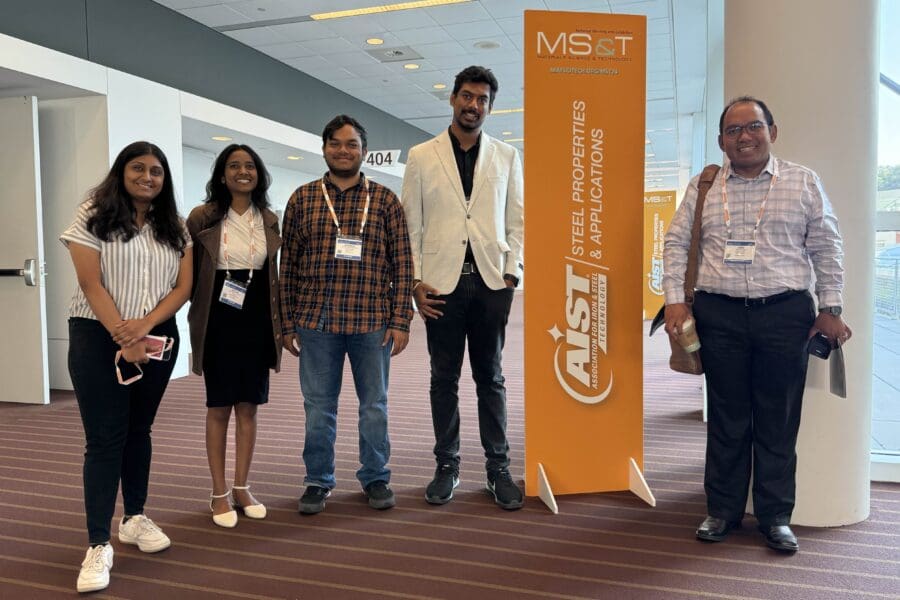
column 142, row 531
column 95, row 568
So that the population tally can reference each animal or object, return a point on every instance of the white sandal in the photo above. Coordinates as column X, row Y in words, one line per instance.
column 254, row 511
column 228, row 519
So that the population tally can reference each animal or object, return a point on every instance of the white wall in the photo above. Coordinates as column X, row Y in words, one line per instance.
column 74, row 155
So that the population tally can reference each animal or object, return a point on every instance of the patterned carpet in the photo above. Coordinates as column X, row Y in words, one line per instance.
column 599, row 546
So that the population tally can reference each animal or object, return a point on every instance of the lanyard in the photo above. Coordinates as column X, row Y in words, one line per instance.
column 252, row 248
column 762, row 207
column 337, row 223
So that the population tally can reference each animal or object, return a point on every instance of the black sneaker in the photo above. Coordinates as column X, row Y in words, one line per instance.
column 506, row 493
column 380, row 495
column 313, row 499
column 440, row 490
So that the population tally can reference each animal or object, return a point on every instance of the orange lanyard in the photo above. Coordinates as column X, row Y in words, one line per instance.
column 337, row 223
column 762, row 207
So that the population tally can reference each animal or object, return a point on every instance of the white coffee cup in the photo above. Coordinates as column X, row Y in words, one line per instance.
column 688, row 337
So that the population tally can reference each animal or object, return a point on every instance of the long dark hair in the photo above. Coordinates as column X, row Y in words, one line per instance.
column 217, row 192
column 114, row 212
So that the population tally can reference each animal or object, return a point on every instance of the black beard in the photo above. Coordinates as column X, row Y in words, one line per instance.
column 343, row 173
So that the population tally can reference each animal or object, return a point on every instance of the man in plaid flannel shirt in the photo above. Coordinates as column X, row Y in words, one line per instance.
column 346, row 277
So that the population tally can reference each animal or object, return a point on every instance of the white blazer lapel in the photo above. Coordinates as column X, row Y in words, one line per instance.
column 482, row 165
column 444, row 149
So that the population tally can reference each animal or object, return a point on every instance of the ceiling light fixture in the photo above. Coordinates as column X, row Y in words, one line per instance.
column 514, row 140
column 506, row 132
column 506, row 111
column 439, row 86
column 295, row 158
column 374, row 41
column 411, row 66
column 221, row 138
column 372, row 10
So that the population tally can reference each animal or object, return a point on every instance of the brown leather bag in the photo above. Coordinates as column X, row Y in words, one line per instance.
column 680, row 359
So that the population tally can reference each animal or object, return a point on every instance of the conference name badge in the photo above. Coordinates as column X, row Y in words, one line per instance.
column 740, row 252
column 233, row 293
column 348, row 248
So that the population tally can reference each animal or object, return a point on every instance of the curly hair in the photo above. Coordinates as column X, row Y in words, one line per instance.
column 113, row 210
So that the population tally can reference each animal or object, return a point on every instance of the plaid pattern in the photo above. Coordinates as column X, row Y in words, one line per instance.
column 797, row 227
column 348, row 297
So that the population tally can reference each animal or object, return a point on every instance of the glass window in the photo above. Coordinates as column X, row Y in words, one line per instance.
column 886, row 382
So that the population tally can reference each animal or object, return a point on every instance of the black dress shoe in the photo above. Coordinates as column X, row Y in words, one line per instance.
column 780, row 537
column 714, row 529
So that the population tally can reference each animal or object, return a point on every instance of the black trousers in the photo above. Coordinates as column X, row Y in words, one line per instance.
column 755, row 361
column 475, row 312
column 117, row 420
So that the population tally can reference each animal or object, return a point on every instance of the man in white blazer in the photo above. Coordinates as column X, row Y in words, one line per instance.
column 462, row 193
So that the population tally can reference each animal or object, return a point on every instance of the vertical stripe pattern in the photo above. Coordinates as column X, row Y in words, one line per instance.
column 137, row 273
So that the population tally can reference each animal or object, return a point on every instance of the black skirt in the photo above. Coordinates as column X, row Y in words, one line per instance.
column 239, row 349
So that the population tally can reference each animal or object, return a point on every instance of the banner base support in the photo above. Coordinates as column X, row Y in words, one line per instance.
column 545, row 493
column 637, row 484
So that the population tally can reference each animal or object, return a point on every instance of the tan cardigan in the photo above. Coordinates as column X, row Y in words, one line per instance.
column 205, row 226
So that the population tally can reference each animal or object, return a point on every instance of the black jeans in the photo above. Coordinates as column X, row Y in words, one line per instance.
column 755, row 361
column 117, row 420
column 475, row 312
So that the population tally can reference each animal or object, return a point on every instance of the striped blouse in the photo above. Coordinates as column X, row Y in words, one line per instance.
column 138, row 273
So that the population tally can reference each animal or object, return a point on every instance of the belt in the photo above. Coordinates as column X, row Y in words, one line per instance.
column 468, row 268
column 757, row 301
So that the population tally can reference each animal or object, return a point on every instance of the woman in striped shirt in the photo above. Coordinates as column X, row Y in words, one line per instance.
column 133, row 259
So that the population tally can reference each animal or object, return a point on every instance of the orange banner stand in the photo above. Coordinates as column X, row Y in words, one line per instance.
column 585, row 80
column 659, row 208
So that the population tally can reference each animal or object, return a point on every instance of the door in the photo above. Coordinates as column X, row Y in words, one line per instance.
column 23, row 349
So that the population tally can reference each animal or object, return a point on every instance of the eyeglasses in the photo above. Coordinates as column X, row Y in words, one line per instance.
column 754, row 128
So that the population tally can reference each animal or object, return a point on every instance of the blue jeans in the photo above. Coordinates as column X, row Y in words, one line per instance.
column 321, row 371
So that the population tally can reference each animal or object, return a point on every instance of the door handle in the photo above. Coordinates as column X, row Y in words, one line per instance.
column 29, row 272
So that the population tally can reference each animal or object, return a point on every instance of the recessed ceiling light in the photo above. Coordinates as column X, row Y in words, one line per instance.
column 487, row 45
column 356, row 12
column 514, row 140
column 439, row 86
column 374, row 41
column 506, row 133
column 411, row 66
column 650, row 155
column 295, row 158
column 221, row 138
column 506, row 111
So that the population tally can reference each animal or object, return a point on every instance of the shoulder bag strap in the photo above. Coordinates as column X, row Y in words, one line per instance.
column 707, row 177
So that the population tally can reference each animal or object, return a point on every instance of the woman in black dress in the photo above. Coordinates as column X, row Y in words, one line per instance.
column 234, row 320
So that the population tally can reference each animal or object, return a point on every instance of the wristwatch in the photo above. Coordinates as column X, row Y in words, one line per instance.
column 832, row 310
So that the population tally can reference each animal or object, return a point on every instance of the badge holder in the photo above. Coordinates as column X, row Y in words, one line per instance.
column 133, row 371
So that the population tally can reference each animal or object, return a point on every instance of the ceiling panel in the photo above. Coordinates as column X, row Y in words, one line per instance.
column 335, row 51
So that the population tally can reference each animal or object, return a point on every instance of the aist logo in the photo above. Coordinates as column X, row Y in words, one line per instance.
column 581, row 44
column 579, row 347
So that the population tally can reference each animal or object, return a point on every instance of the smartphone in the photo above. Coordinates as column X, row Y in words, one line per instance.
column 159, row 347
column 819, row 345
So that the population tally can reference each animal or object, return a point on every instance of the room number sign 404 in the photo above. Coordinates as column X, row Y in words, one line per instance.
column 382, row 158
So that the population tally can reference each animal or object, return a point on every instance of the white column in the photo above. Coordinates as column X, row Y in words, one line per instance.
column 815, row 63
column 144, row 110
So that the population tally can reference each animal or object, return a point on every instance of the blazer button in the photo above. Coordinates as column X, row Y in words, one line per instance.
column 464, row 242
column 468, row 216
